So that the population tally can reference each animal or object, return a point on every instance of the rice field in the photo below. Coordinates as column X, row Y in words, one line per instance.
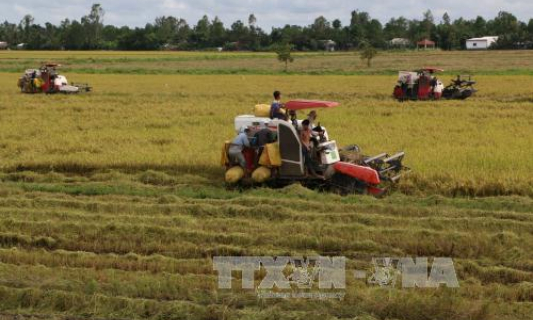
column 113, row 203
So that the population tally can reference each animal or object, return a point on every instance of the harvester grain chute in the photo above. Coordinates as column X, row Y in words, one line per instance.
column 424, row 85
column 343, row 170
column 46, row 79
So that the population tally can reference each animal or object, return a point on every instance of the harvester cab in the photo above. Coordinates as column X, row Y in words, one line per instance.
column 342, row 170
column 47, row 80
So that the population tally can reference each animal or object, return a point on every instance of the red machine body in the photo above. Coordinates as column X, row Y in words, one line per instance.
column 362, row 173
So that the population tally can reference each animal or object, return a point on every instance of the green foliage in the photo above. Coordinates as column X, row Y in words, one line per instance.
column 367, row 52
column 170, row 33
column 283, row 52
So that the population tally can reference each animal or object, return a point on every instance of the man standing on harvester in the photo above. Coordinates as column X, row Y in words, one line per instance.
column 237, row 145
column 277, row 108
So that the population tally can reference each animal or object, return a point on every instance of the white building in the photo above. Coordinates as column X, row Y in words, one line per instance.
column 400, row 42
column 480, row 43
column 3, row 45
column 328, row 45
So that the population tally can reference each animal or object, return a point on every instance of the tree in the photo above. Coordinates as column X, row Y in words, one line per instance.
column 358, row 22
column 252, row 20
column 367, row 52
column 320, row 29
column 446, row 33
column 9, row 33
column 337, row 24
column 530, row 29
column 25, row 27
column 166, row 29
column 218, row 33
column 480, row 27
column 396, row 28
column 238, row 32
column 183, row 32
column 202, row 34
column 93, row 25
column 375, row 31
column 284, row 54
column 427, row 24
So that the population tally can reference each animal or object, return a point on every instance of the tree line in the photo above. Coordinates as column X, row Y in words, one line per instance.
column 168, row 32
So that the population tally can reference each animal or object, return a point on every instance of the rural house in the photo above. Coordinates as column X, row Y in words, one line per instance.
column 399, row 43
column 425, row 44
column 482, row 43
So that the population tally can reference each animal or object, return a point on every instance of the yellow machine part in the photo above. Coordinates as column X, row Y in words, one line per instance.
column 261, row 174
column 264, row 160
column 38, row 82
column 273, row 154
column 270, row 157
column 262, row 110
column 224, row 160
column 234, row 174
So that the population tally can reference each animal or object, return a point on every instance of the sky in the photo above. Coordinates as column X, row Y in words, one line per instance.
column 271, row 13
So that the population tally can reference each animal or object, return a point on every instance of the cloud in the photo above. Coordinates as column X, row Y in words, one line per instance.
column 269, row 13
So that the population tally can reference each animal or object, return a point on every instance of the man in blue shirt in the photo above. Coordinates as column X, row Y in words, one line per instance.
column 237, row 145
column 276, row 107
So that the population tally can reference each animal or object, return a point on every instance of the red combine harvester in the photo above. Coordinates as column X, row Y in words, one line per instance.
column 344, row 171
column 47, row 80
column 424, row 85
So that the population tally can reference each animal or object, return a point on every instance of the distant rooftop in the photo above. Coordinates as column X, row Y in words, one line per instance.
column 484, row 38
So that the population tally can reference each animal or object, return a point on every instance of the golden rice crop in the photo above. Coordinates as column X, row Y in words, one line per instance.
column 481, row 146
column 112, row 205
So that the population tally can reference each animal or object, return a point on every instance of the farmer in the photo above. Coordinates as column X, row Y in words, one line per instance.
column 237, row 145
column 311, row 116
column 319, row 135
column 261, row 138
column 277, row 108
column 293, row 119
column 305, row 139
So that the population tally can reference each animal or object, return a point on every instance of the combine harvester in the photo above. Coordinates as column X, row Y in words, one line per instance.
column 47, row 80
column 344, row 171
column 423, row 85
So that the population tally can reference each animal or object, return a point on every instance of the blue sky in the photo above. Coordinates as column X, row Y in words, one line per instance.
column 269, row 13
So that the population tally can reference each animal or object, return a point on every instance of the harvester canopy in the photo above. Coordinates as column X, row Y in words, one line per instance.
column 431, row 69
column 301, row 104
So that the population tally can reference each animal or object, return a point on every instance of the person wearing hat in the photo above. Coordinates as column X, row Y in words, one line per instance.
column 237, row 145
column 311, row 116
column 319, row 135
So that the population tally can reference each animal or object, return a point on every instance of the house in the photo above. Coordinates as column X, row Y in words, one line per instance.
column 3, row 45
column 329, row 45
column 399, row 43
column 482, row 43
column 21, row 46
column 425, row 44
